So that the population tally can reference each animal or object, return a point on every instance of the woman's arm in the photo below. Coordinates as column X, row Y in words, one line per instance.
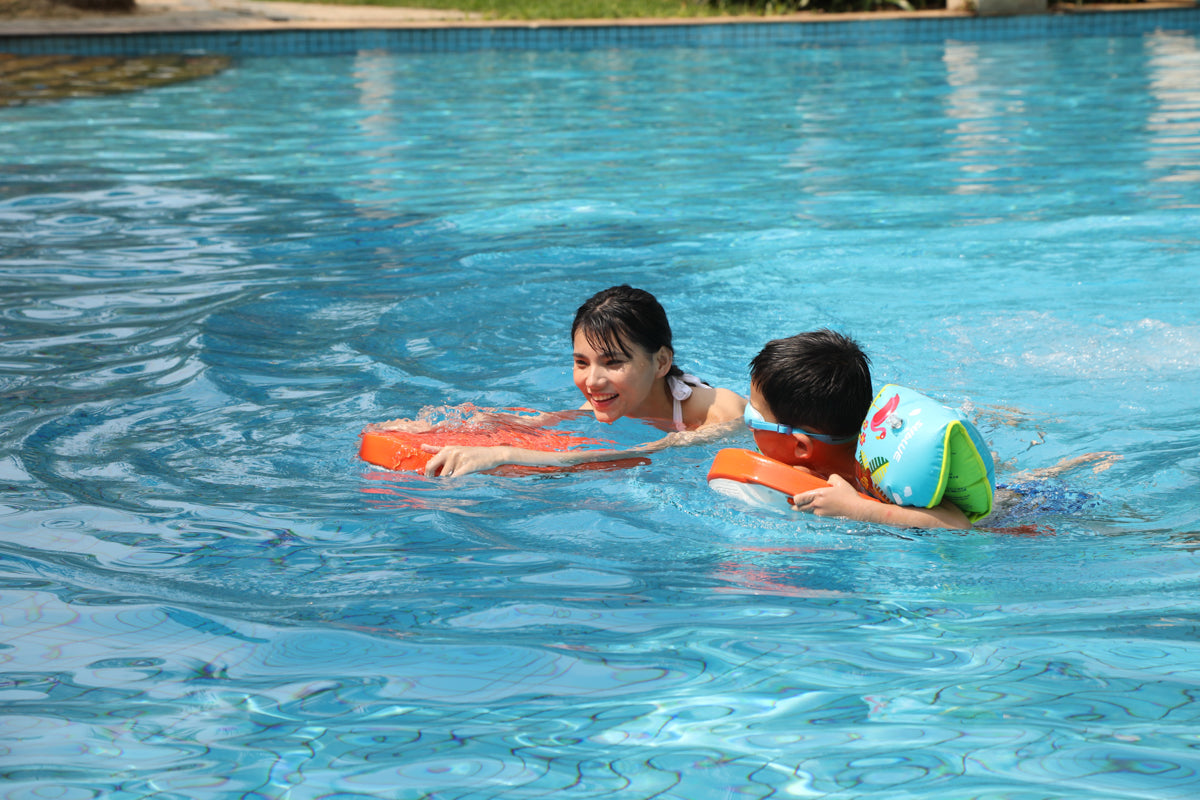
column 463, row 460
column 701, row 435
column 454, row 460
column 723, row 411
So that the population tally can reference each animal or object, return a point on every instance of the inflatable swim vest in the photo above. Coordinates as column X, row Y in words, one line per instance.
column 754, row 478
column 914, row 451
column 404, row 450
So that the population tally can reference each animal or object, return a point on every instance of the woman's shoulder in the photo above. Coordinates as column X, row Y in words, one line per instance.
column 728, row 405
column 715, row 405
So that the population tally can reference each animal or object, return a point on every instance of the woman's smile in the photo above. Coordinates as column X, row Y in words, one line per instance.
column 616, row 384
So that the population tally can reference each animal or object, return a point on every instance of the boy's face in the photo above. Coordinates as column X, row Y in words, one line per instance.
column 779, row 446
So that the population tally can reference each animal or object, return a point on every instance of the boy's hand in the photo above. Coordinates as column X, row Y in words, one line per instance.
column 841, row 499
column 837, row 500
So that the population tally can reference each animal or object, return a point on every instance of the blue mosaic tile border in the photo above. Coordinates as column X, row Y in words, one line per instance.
column 581, row 37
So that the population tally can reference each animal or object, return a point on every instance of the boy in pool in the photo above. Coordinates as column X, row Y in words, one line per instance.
column 809, row 394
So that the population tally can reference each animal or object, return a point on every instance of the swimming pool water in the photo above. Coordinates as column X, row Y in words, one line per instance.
column 210, row 288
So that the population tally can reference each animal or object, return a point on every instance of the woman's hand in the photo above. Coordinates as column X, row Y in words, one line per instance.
column 839, row 499
column 460, row 460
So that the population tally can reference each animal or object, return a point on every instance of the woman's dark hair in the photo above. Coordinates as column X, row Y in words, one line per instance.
column 620, row 315
column 819, row 380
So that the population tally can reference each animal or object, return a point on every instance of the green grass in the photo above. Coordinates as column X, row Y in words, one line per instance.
column 574, row 9
column 634, row 9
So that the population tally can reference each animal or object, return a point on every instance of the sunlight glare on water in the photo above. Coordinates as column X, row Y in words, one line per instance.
column 210, row 288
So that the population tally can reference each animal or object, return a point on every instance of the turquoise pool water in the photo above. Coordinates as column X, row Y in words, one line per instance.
column 210, row 288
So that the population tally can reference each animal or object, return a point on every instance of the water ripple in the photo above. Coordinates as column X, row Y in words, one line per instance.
column 205, row 593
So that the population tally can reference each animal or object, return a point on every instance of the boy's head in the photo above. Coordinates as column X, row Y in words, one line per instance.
column 818, row 381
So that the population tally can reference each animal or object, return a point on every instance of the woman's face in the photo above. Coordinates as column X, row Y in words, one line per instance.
column 618, row 385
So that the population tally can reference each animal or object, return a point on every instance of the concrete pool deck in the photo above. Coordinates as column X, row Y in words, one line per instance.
column 162, row 16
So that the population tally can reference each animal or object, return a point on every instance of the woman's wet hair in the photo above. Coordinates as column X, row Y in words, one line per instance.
column 820, row 380
column 620, row 316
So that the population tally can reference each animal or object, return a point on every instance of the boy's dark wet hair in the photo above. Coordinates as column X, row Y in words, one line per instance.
column 820, row 380
column 623, row 314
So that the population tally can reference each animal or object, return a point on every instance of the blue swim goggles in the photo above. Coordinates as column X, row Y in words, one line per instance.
column 755, row 421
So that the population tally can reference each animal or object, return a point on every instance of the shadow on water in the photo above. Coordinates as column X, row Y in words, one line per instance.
column 40, row 79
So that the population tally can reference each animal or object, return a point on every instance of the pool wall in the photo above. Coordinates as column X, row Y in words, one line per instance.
column 574, row 36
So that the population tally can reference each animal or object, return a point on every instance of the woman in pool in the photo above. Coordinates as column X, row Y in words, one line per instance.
column 625, row 367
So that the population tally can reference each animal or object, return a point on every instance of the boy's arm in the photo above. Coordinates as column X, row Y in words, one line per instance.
column 841, row 500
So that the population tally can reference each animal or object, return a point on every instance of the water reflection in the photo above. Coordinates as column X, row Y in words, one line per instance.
column 1174, row 124
column 983, row 120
